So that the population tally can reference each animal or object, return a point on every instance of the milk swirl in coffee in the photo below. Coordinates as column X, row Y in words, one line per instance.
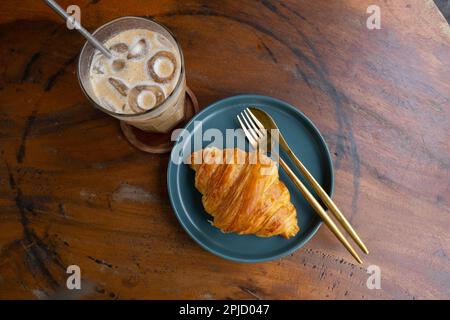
column 142, row 73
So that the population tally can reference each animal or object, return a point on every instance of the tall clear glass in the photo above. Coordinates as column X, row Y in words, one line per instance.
column 163, row 117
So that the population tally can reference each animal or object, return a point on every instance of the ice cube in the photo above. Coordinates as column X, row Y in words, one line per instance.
column 144, row 97
column 118, row 64
column 121, row 87
column 139, row 50
column 98, row 64
column 119, row 48
column 162, row 66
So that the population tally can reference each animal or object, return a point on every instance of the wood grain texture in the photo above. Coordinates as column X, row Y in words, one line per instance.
column 73, row 191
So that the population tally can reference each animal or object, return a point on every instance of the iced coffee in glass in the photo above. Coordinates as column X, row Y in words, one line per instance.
column 144, row 83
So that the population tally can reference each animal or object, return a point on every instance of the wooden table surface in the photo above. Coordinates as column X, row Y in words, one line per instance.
column 73, row 191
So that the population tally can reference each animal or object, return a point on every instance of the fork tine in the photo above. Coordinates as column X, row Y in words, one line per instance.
column 261, row 133
column 247, row 134
column 249, row 128
column 258, row 123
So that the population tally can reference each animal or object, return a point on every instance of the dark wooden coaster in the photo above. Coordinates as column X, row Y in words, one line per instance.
column 152, row 142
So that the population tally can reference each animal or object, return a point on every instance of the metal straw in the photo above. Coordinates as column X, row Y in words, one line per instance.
column 52, row 4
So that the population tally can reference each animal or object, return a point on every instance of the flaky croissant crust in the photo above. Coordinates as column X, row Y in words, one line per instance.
column 243, row 195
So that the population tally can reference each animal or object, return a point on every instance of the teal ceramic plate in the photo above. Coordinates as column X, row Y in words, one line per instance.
column 306, row 142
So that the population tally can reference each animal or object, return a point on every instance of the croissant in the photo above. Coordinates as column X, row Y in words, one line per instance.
column 242, row 195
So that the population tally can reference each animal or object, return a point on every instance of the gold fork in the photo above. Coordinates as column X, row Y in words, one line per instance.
column 264, row 121
column 259, row 137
